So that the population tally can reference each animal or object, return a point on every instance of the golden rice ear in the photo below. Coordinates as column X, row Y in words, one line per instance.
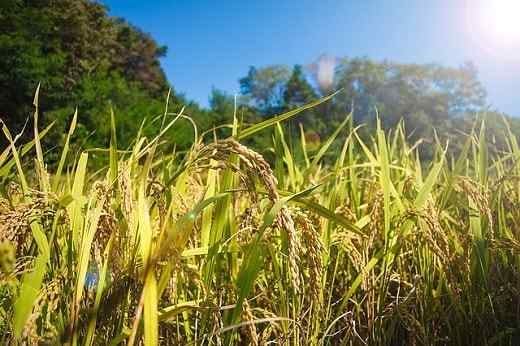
column 259, row 167
column 313, row 254
column 7, row 257
column 14, row 193
column 250, row 327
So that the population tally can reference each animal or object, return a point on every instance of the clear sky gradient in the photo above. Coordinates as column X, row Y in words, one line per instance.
column 212, row 43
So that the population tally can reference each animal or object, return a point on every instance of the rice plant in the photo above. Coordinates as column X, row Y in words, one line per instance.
column 217, row 246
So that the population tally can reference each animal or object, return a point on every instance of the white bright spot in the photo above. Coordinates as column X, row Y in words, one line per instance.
column 326, row 66
column 495, row 26
column 504, row 18
column 500, row 21
column 323, row 71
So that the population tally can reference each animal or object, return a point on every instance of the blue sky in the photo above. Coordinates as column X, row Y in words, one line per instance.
column 212, row 43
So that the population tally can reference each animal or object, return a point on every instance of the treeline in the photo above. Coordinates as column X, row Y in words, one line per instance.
column 432, row 100
column 87, row 59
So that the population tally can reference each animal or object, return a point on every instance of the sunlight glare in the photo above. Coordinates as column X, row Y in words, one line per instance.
column 502, row 19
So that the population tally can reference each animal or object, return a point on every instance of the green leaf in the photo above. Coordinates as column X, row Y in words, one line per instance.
column 65, row 151
column 151, row 318
column 29, row 291
column 329, row 141
column 113, row 148
column 278, row 118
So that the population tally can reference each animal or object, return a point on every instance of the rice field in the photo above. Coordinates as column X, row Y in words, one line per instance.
column 218, row 246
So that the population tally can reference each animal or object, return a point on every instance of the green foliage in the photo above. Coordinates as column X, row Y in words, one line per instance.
column 141, row 218
column 82, row 57
column 298, row 90
column 265, row 87
column 431, row 99
column 424, row 95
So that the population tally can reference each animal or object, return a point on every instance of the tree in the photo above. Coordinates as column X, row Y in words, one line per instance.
column 298, row 92
column 425, row 96
column 82, row 57
column 265, row 87
column 428, row 97
column 222, row 107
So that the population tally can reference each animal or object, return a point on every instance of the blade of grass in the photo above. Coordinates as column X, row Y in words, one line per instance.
column 248, row 132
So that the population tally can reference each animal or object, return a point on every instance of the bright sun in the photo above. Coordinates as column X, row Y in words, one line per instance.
column 494, row 26
column 501, row 18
